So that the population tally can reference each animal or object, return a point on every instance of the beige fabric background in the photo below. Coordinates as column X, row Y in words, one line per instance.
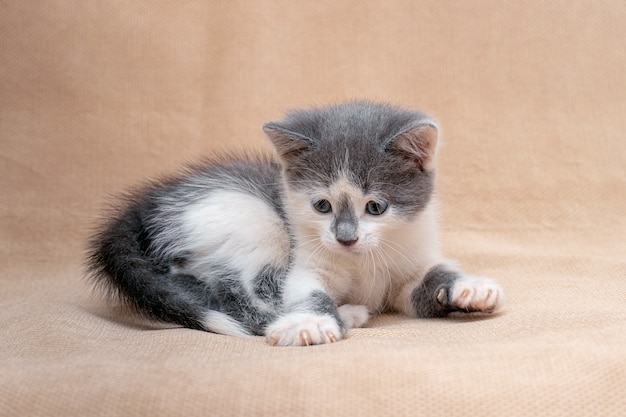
column 95, row 96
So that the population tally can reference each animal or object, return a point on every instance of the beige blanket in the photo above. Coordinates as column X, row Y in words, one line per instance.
column 96, row 96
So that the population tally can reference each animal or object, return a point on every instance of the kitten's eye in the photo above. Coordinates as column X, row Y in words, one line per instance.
column 376, row 208
column 323, row 206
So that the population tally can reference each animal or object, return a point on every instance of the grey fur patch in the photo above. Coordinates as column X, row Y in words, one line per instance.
column 424, row 296
column 228, row 295
column 268, row 285
column 319, row 302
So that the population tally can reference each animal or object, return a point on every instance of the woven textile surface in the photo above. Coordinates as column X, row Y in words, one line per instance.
column 95, row 97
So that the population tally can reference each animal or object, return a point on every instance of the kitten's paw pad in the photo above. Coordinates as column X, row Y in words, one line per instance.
column 353, row 315
column 472, row 294
column 303, row 329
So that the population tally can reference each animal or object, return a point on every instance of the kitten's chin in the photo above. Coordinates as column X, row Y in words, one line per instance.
column 338, row 248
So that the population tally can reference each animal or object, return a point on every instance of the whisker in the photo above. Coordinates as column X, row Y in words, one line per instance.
column 390, row 244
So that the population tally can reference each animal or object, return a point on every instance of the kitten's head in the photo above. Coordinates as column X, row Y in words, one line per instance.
column 355, row 170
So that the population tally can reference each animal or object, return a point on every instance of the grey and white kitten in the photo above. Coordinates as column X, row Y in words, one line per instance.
column 299, row 247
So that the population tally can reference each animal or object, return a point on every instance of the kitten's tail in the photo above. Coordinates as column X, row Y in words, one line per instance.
column 119, row 264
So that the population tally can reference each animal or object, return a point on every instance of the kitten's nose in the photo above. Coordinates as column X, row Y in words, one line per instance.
column 347, row 242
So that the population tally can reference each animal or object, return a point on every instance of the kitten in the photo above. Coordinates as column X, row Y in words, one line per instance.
column 299, row 247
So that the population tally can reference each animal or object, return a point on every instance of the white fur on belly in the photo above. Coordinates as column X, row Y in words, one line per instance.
column 236, row 229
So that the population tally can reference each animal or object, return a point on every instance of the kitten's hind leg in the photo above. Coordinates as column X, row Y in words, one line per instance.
column 445, row 290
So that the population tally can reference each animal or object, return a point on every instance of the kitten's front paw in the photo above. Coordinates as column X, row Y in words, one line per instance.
column 472, row 294
column 353, row 315
column 303, row 329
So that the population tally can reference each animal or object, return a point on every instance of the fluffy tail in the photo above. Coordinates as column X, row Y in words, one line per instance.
column 120, row 263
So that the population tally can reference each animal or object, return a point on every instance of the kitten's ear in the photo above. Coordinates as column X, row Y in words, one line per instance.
column 417, row 145
column 288, row 144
